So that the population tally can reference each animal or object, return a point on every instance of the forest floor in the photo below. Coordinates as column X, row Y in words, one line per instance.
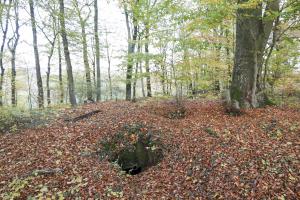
column 209, row 155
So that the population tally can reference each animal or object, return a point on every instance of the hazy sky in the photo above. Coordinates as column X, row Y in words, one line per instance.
column 110, row 17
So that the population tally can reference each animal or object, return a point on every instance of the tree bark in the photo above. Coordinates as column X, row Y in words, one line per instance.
column 131, row 48
column 61, row 86
column 148, row 78
column 266, row 26
column 136, row 69
column 12, row 46
column 48, row 73
column 272, row 45
column 163, row 72
column 36, row 56
column 50, row 55
column 97, row 48
column 29, row 77
column 252, row 34
column 134, row 82
column 13, row 79
column 109, row 65
column 71, row 86
column 142, row 81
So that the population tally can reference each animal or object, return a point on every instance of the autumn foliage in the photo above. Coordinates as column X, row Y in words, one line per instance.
column 208, row 155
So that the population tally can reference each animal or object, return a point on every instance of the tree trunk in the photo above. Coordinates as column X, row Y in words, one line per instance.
column 131, row 47
column 243, row 88
column 148, row 78
column 12, row 46
column 109, row 66
column 48, row 72
column 163, row 73
column 86, row 64
column 4, row 32
column 71, row 86
column 82, row 22
column 252, row 34
column 142, row 81
column 135, row 80
column 266, row 63
column 97, row 48
column 1, row 85
column 228, row 58
column 13, row 79
column 50, row 55
column 60, row 79
column 36, row 56
column 266, row 26
column 29, row 77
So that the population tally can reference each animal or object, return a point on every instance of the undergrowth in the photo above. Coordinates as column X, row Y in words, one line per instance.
column 14, row 119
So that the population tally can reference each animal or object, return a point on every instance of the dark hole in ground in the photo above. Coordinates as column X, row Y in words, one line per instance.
column 135, row 148
column 137, row 159
column 135, row 170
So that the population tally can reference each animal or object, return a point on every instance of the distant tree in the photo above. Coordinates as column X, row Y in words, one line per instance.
column 4, row 16
column 50, row 31
column 108, row 56
column 12, row 46
column 83, row 22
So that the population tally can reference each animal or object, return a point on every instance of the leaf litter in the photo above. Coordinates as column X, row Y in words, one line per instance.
column 209, row 155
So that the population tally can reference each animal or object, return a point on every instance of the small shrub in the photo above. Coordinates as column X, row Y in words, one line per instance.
column 14, row 119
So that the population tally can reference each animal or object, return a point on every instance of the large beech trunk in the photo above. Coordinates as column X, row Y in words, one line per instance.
column 252, row 32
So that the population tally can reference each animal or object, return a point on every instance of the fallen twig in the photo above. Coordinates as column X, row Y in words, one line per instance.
column 87, row 115
column 46, row 171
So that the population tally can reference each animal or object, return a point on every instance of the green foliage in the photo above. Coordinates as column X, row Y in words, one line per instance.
column 11, row 119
